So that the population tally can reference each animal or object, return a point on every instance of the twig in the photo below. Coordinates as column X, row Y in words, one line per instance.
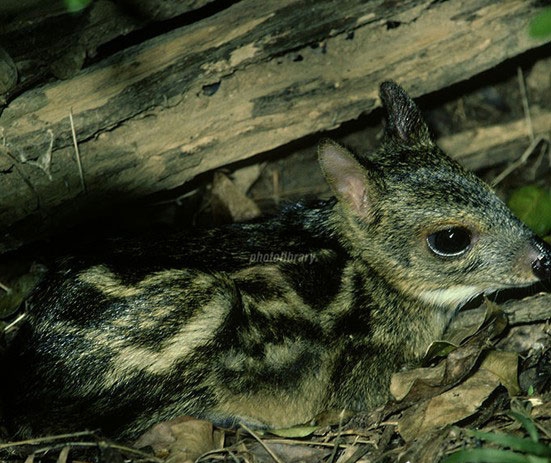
column 358, row 453
column 543, row 429
column 40, row 440
column 46, row 159
column 103, row 444
column 519, row 162
column 534, row 142
column 11, row 325
column 275, row 186
column 337, row 438
column 69, row 445
column 525, row 104
column 77, row 152
column 216, row 452
column 321, row 444
column 272, row 454
column 233, row 457
column 6, row 288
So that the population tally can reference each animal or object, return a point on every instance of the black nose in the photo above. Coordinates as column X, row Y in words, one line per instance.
column 542, row 265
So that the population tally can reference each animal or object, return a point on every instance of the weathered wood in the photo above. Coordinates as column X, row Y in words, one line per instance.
column 519, row 312
column 529, row 310
column 61, row 42
column 239, row 83
column 496, row 144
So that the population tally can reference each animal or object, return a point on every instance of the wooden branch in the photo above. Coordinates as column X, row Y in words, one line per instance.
column 528, row 310
column 242, row 82
column 76, row 37
column 488, row 146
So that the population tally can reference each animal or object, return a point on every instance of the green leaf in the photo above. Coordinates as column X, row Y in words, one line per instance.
column 528, row 425
column 540, row 26
column 513, row 442
column 491, row 456
column 74, row 6
column 532, row 205
column 438, row 349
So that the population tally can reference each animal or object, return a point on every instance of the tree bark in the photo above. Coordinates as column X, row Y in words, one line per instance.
column 43, row 40
column 249, row 79
column 534, row 309
column 488, row 146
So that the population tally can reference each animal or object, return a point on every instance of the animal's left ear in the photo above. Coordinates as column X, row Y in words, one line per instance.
column 404, row 120
column 356, row 187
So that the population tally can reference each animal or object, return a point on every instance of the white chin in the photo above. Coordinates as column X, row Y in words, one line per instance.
column 452, row 297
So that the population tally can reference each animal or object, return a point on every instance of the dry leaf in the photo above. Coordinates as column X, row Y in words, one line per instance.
column 494, row 323
column 427, row 449
column 244, row 177
column 450, row 407
column 8, row 72
column 353, row 453
column 288, row 453
column 229, row 203
column 182, row 439
column 422, row 383
column 402, row 382
column 438, row 349
column 17, row 280
column 332, row 417
column 504, row 365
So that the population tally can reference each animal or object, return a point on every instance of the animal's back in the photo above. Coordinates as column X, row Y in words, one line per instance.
column 139, row 331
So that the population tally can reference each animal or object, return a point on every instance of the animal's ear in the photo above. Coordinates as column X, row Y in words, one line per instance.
column 352, row 184
column 404, row 120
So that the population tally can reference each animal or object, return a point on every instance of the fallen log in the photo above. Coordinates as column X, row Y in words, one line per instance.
column 534, row 309
column 62, row 42
column 242, row 82
column 487, row 146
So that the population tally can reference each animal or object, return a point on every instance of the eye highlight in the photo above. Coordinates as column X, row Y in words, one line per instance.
column 450, row 242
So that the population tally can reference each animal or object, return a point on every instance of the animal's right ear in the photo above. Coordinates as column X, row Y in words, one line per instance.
column 350, row 181
column 404, row 121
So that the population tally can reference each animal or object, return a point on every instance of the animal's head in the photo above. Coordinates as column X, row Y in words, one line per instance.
column 431, row 229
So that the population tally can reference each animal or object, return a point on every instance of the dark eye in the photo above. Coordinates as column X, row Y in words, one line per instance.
column 450, row 242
